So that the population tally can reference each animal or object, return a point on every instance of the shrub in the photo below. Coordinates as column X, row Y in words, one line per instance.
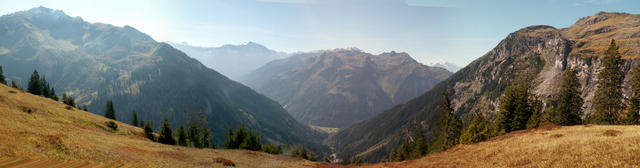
column 112, row 125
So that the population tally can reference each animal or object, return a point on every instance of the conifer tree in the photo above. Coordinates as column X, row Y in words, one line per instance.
column 15, row 85
column 85, row 108
column 607, row 100
column 35, row 86
column 3, row 80
column 53, row 94
column 477, row 130
column 207, row 138
column 68, row 100
column 44, row 87
column 148, row 130
column 569, row 108
column 181, row 136
column 537, row 116
column 420, row 146
column 632, row 115
column 228, row 138
column 239, row 136
column 134, row 118
column 194, row 135
column 166, row 137
column 515, row 109
column 109, row 111
column 448, row 126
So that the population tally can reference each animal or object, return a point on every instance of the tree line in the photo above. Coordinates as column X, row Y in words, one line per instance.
column 520, row 109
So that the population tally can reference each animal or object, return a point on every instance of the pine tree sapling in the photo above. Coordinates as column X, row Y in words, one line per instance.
column 148, row 130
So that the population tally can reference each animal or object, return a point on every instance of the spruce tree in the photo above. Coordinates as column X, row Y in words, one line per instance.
column 53, row 94
column 134, row 118
column 194, row 135
column 448, row 126
column 166, row 137
column 44, row 87
column 3, row 80
column 477, row 130
column 207, row 138
column 569, row 108
column 515, row 109
column 15, row 85
column 35, row 86
column 109, row 111
column 633, row 116
column 420, row 146
column 607, row 100
column 239, row 136
column 181, row 136
column 228, row 138
column 537, row 115
column 148, row 130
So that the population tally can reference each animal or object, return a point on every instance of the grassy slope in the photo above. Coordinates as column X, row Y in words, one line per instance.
column 52, row 131
column 573, row 146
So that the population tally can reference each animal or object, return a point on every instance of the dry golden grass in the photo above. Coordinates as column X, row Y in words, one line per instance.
column 53, row 130
column 574, row 146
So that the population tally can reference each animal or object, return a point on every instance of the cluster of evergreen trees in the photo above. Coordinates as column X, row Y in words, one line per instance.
column 521, row 109
column 40, row 86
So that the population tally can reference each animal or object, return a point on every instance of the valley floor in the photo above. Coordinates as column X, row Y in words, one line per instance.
column 58, row 134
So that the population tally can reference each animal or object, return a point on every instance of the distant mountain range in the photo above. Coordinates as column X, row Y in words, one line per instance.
column 232, row 61
column 337, row 88
column 98, row 62
column 544, row 51
column 446, row 65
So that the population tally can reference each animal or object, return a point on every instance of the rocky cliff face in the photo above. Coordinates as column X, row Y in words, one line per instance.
column 542, row 51
column 340, row 87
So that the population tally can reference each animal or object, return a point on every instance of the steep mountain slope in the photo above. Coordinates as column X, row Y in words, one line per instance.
column 542, row 51
column 97, row 62
column 51, row 133
column 233, row 61
column 575, row 146
column 340, row 87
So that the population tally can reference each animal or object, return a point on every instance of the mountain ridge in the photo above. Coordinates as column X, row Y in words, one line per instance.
column 543, row 51
column 335, row 88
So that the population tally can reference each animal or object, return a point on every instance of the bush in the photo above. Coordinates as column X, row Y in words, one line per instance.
column 112, row 125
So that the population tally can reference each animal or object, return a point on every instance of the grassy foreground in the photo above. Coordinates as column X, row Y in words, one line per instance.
column 55, row 131
column 548, row 146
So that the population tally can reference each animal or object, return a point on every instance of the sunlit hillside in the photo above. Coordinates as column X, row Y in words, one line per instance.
column 547, row 146
column 36, row 128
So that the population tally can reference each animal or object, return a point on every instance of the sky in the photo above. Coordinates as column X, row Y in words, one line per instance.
column 456, row 31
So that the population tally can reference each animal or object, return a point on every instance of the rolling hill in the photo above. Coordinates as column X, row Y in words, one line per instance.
column 337, row 88
column 542, row 51
column 95, row 62
column 38, row 130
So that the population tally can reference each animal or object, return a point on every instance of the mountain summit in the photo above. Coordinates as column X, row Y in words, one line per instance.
column 337, row 88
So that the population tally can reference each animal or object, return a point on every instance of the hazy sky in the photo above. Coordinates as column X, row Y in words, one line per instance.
column 429, row 30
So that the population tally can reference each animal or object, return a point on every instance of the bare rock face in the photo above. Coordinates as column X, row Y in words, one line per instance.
column 340, row 87
column 542, row 51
